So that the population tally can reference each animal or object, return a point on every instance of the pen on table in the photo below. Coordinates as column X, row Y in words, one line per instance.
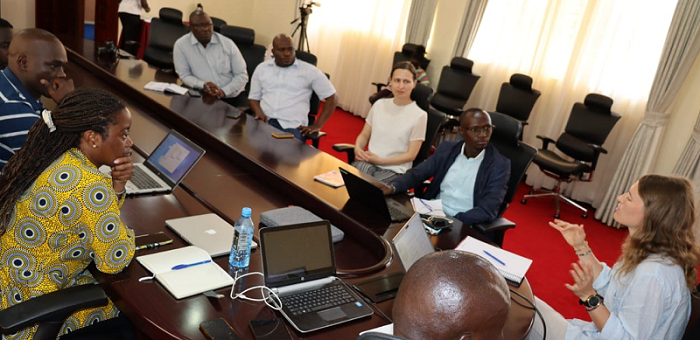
column 426, row 205
column 495, row 258
column 153, row 245
column 183, row 266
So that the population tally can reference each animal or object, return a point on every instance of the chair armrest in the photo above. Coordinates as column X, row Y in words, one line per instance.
column 380, row 85
column 545, row 141
column 598, row 149
column 57, row 305
column 499, row 224
column 347, row 148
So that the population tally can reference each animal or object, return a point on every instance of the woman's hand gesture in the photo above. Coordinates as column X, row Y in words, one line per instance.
column 583, row 276
column 573, row 233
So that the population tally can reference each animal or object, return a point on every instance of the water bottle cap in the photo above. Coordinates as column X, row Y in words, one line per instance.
column 246, row 212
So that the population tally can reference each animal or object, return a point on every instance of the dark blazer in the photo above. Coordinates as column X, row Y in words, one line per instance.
column 489, row 189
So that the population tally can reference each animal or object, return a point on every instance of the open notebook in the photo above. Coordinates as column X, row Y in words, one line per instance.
column 188, row 281
column 512, row 266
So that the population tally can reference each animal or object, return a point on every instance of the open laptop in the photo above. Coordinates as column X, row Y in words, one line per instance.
column 209, row 232
column 372, row 197
column 299, row 265
column 165, row 168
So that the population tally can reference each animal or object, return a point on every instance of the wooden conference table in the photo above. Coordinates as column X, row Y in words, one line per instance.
column 243, row 166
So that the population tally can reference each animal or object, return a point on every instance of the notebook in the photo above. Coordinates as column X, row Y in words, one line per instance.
column 209, row 232
column 512, row 266
column 372, row 197
column 299, row 265
column 165, row 168
column 188, row 281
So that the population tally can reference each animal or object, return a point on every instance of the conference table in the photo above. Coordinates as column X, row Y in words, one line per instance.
column 243, row 166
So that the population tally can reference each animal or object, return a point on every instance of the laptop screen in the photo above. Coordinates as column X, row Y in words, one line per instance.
column 412, row 242
column 297, row 253
column 174, row 157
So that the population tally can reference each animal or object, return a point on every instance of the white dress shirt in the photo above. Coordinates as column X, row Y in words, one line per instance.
column 220, row 63
column 285, row 92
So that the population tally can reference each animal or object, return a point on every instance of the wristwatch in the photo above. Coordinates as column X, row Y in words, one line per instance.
column 592, row 302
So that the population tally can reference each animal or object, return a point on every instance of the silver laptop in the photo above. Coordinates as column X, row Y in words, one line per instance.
column 299, row 265
column 165, row 168
column 412, row 242
column 209, row 232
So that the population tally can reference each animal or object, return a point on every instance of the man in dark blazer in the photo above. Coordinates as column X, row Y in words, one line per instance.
column 470, row 176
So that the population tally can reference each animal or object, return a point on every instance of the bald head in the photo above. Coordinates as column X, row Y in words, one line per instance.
column 283, row 50
column 35, row 54
column 464, row 292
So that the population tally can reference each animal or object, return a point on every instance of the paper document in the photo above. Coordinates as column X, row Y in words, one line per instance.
column 332, row 178
column 512, row 266
column 165, row 87
column 428, row 207
column 386, row 329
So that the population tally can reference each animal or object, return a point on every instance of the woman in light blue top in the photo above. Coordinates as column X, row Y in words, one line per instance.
column 646, row 294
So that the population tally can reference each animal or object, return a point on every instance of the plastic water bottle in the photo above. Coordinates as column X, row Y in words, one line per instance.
column 242, row 238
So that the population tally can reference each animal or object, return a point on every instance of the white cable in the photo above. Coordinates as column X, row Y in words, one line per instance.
column 270, row 293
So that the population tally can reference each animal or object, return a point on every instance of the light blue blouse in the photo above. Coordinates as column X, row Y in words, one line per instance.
column 651, row 302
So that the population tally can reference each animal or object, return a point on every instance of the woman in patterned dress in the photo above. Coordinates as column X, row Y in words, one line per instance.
column 58, row 212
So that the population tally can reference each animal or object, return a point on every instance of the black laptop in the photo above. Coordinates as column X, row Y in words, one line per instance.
column 372, row 197
column 299, row 265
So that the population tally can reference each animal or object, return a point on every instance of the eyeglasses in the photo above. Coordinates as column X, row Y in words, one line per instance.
column 483, row 129
column 202, row 25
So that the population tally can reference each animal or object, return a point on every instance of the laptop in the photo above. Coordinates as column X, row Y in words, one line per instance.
column 209, row 232
column 372, row 197
column 299, row 265
column 165, row 168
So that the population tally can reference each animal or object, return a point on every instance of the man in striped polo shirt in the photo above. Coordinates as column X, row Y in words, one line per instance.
column 36, row 67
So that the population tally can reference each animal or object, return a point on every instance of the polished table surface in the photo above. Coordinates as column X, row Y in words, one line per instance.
column 243, row 166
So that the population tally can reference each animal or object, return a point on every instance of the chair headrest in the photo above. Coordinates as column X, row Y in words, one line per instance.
column 408, row 49
column 521, row 81
column 598, row 102
column 307, row 57
column 462, row 64
column 508, row 129
column 239, row 35
column 170, row 15
column 422, row 94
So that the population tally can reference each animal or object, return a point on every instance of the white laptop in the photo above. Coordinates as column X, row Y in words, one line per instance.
column 412, row 242
column 209, row 232
column 165, row 168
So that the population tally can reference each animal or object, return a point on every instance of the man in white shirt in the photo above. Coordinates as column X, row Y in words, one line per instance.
column 281, row 89
column 130, row 16
column 209, row 61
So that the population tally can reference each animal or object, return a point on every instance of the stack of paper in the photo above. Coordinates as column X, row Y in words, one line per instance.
column 512, row 266
column 165, row 87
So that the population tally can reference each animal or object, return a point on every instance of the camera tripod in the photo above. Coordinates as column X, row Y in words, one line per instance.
column 304, row 11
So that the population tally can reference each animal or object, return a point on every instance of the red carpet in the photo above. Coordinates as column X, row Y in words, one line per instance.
column 532, row 237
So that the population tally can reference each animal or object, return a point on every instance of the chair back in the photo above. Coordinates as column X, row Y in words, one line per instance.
column 218, row 23
column 406, row 53
column 422, row 94
column 165, row 30
column 456, row 84
column 379, row 336
column 590, row 122
column 505, row 138
column 315, row 100
column 253, row 54
column 692, row 330
column 517, row 97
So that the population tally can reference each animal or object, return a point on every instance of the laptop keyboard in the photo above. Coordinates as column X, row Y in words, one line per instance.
column 397, row 214
column 318, row 299
column 142, row 180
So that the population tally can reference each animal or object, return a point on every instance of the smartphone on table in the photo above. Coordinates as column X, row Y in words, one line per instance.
column 218, row 329
column 282, row 135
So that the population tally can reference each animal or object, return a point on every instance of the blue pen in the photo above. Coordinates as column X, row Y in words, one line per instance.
column 426, row 205
column 183, row 266
column 495, row 258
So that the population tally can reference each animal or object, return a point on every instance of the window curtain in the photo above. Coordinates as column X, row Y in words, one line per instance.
column 420, row 21
column 679, row 53
column 470, row 26
column 689, row 163
column 355, row 43
column 570, row 49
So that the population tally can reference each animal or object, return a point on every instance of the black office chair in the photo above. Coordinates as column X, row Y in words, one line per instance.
column 421, row 94
column 218, row 23
column 165, row 30
column 692, row 330
column 455, row 86
column 253, row 54
column 50, row 310
column 379, row 336
column 589, row 125
column 517, row 98
column 315, row 104
column 404, row 55
column 505, row 139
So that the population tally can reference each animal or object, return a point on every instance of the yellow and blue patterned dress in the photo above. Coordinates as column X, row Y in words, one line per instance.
column 68, row 218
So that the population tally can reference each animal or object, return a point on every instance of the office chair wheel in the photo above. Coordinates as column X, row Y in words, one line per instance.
column 585, row 215
column 557, row 216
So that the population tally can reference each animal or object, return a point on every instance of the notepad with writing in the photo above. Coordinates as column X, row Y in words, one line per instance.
column 332, row 178
column 188, row 281
column 165, row 87
column 512, row 266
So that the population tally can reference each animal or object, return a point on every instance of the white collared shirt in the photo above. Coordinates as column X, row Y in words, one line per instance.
column 220, row 63
column 457, row 188
column 284, row 92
